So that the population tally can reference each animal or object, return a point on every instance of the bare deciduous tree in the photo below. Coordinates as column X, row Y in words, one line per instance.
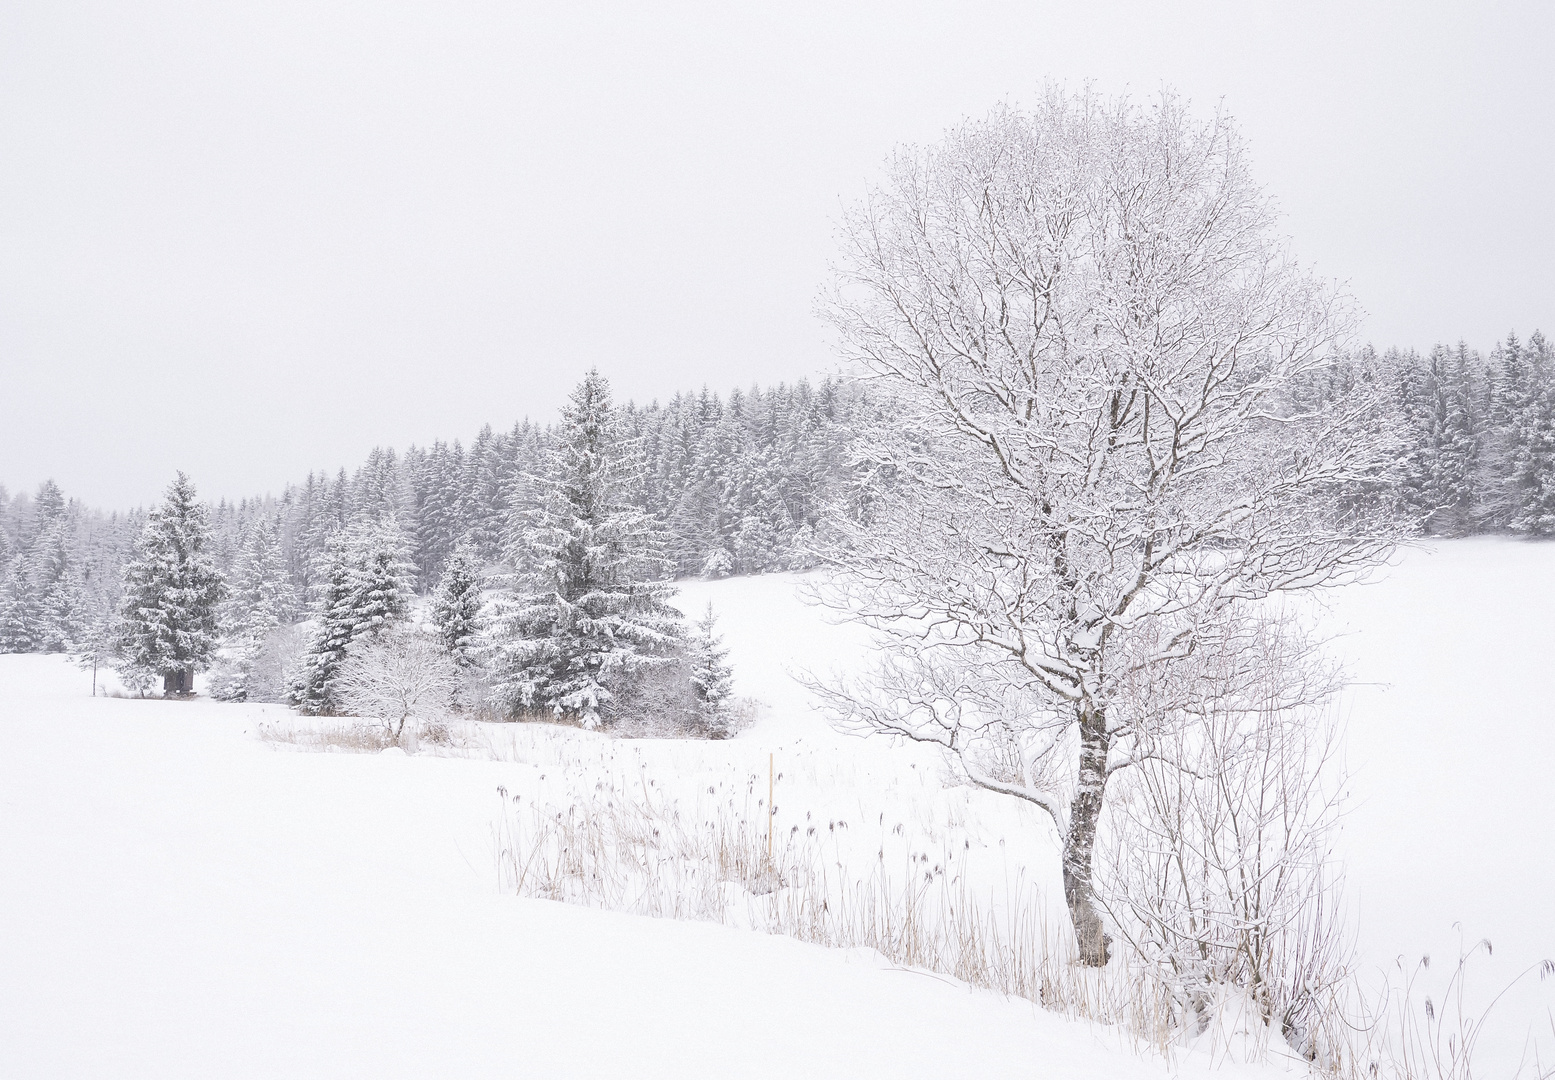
column 1097, row 457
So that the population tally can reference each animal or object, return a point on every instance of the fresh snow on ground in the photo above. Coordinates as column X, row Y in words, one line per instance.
column 179, row 898
column 1451, row 742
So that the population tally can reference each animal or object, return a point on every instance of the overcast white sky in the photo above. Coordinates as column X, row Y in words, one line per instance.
column 254, row 237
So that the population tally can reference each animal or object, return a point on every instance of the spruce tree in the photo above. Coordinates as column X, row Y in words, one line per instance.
column 590, row 610
column 1442, row 439
column 261, row 600
column 712, row 680
column 63, row 614
column 1532, row 472
column 171, row 593
column 18, row 609
column 456, row 604
column 97, row 645
column 367, row 585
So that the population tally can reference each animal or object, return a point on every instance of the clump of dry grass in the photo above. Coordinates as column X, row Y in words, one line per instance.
column 1403, row 1033
column 349, row 735
column 648, row 855
column 649, row 858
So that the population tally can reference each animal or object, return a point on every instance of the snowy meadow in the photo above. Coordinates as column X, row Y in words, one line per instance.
column 1119, row 670
column 202, row 899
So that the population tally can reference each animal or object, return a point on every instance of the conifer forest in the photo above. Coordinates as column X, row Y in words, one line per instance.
column 732, row 484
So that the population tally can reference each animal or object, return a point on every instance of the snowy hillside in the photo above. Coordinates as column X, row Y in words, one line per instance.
column 184, row 899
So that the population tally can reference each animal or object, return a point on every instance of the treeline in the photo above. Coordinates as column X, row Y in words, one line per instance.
column 573, row 624
column 61, row 566
column 735, row 483
column 1475, row 433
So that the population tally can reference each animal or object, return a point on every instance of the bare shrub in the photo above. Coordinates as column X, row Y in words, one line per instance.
column 1215, row 867
column 396, row 677
column 661, row 702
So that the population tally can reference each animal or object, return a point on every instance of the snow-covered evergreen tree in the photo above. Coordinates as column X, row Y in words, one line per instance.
column 333, row 629
column 482, row 495
column 97, row 645
column 18, row 608
column 367, row 586
column 1436, row 405
column 456, row 604
column 589, row 611
column 63, row 614
column 261, row 600
column 171, row 593
column 712, row 680
column 436, row 499
column 1525, row 460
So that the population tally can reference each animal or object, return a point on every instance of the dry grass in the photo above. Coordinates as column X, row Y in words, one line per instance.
column 1402, row 1033
column 352, row 736
column 644, row 854
column 647, row 857
column 599, row 830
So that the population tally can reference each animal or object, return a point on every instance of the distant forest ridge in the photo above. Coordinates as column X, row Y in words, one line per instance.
column 738, row 482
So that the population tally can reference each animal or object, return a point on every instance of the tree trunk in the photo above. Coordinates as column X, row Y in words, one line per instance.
column 1084, row 813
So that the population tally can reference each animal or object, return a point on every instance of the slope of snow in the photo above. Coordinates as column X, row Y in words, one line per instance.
column 1450, row 740
column 181, row 900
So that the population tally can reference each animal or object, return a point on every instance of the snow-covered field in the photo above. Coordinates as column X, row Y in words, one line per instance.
column 1451, row 741
column 179, row 898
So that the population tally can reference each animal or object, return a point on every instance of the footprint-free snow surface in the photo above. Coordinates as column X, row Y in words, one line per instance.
column 181, row 899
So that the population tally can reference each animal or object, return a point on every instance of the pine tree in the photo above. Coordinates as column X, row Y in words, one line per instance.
column 436, row 500
column 590, row 612
column 171, row 594
column 456, row 604
column 712, row 680
column 482, row 496
column 63, row 614
column 366, row 590
column 97, row 646
column 1522, row 460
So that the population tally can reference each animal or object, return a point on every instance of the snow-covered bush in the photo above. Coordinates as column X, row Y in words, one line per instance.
column 261, row 669
column 395, row 677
